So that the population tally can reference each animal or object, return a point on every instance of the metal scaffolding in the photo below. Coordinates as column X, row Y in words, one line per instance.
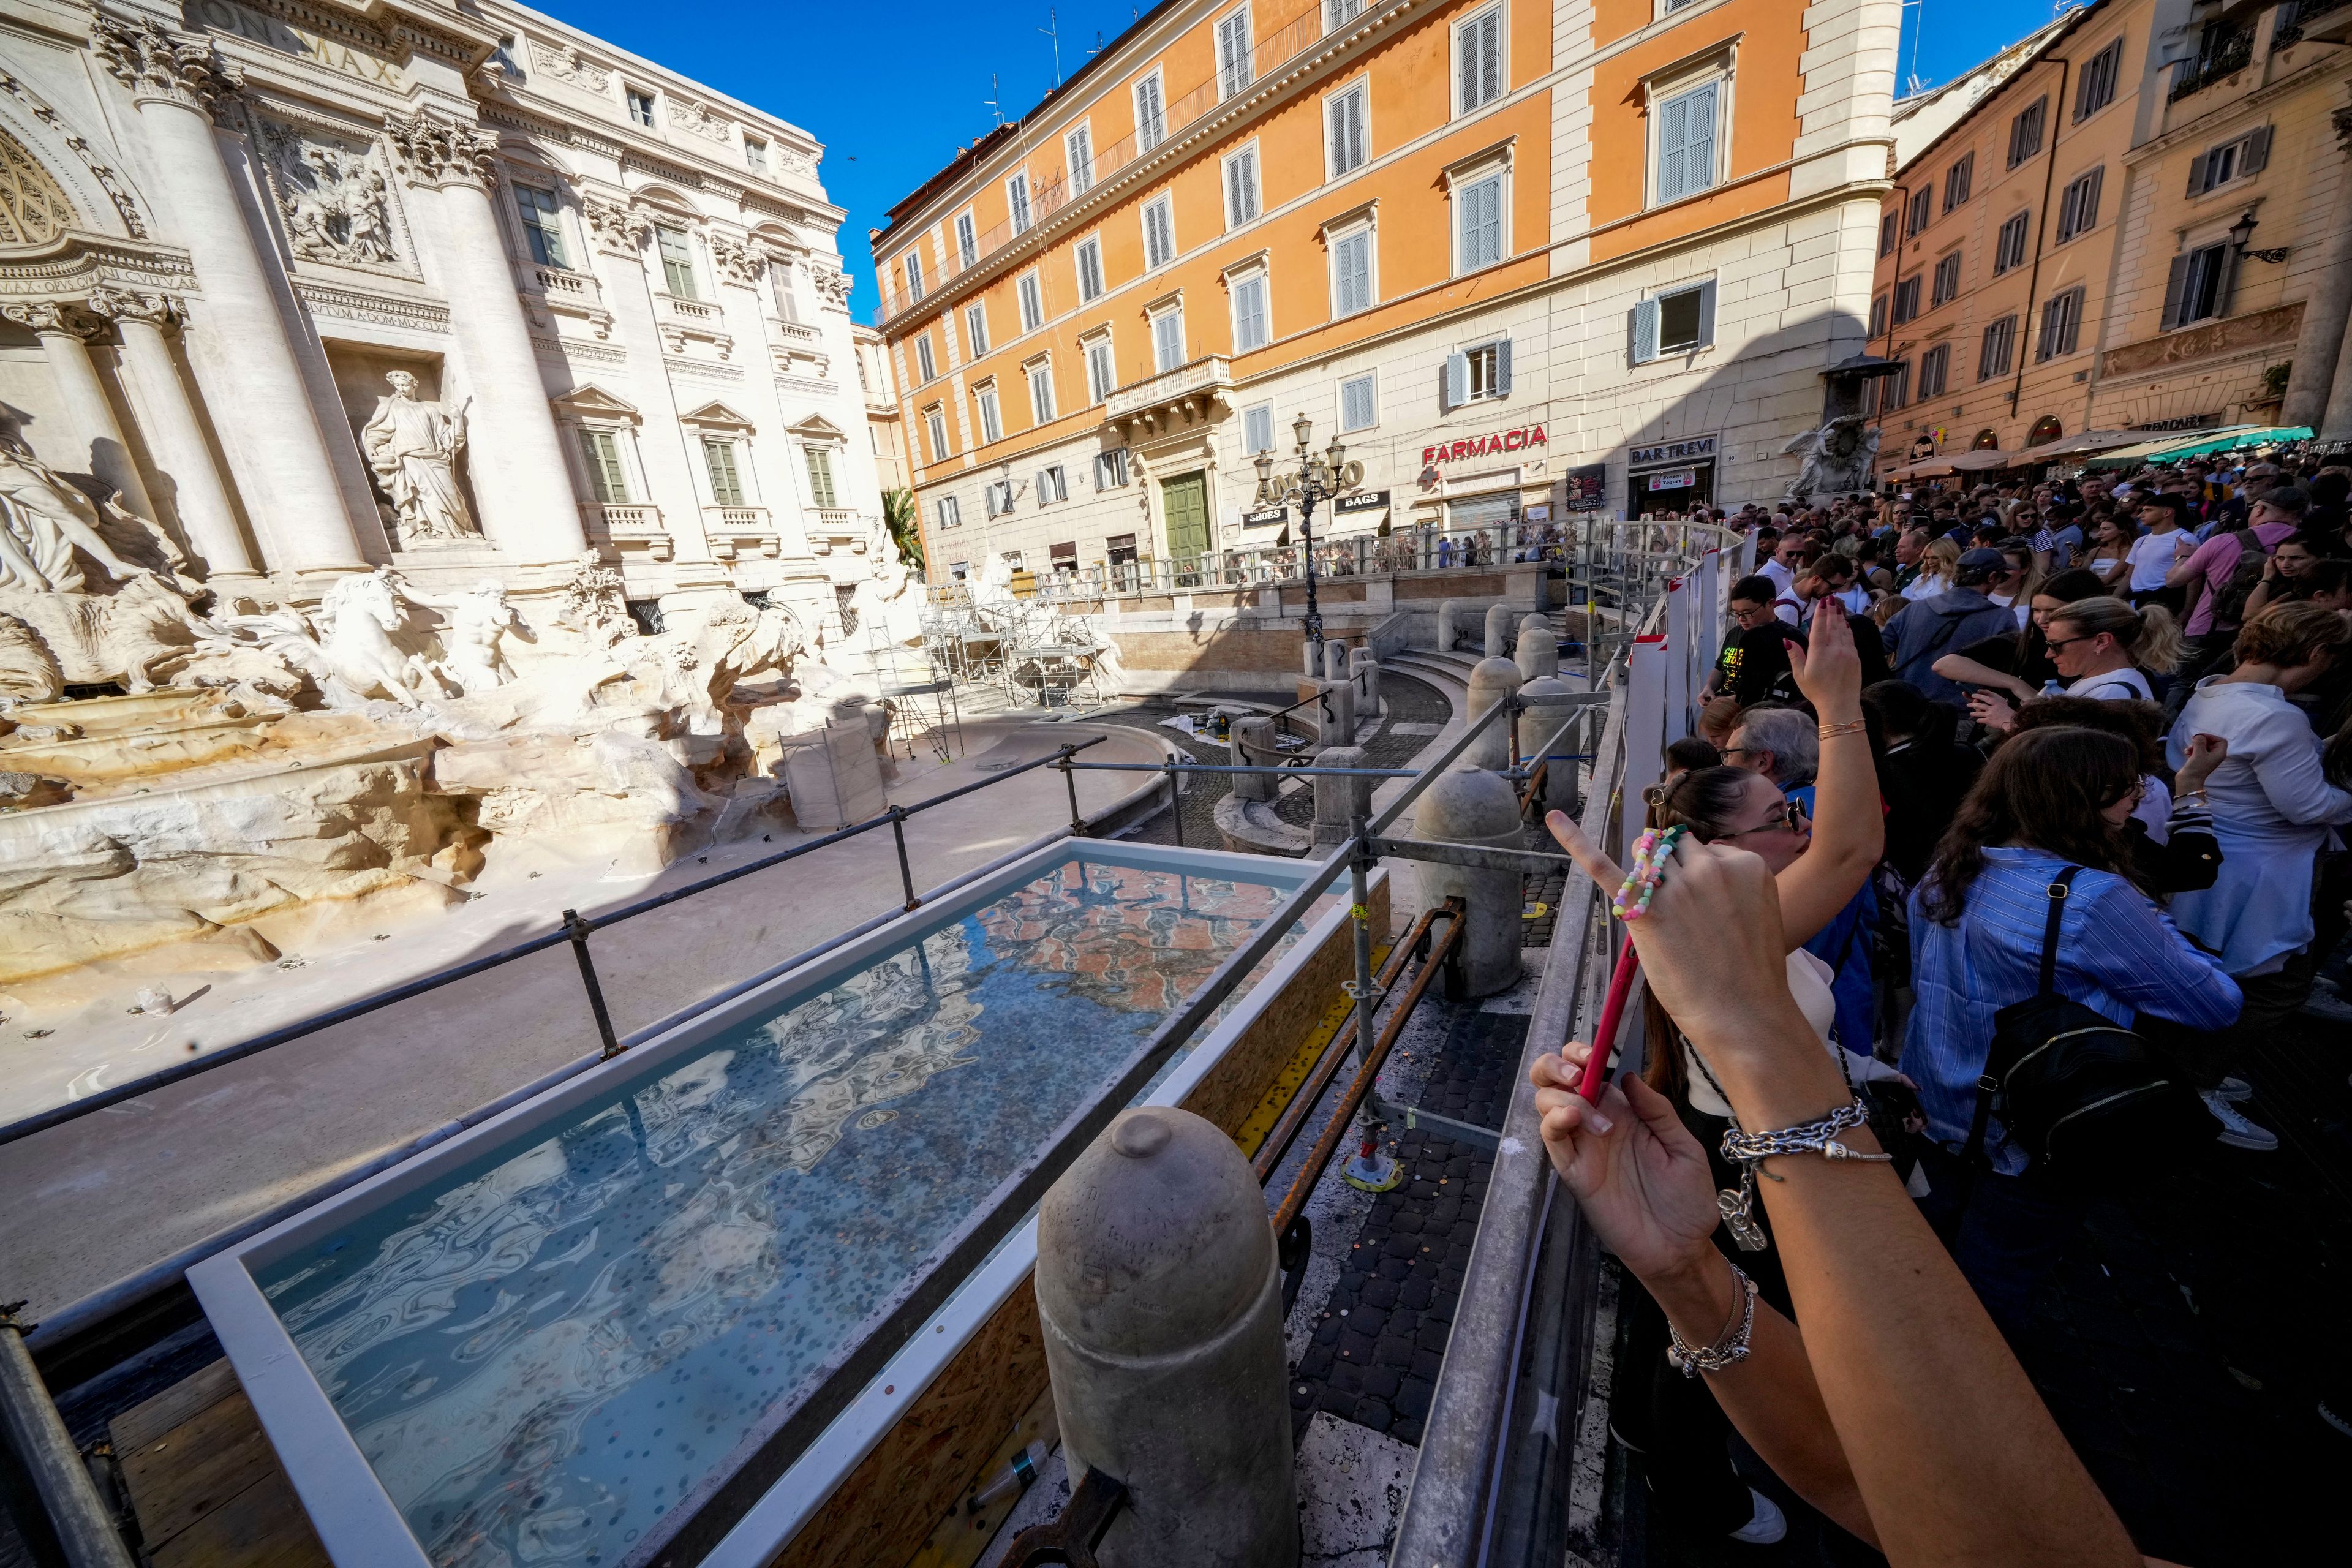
column 1039, row 648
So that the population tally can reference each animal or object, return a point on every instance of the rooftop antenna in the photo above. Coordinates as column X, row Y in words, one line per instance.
column 1099, row 44
column 1052, row 30
column 989, row 103
column 1918, row 9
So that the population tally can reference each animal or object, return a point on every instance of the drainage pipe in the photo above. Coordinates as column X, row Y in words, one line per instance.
column 84, row 1524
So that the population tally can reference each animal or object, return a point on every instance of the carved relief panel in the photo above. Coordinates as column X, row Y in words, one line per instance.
column 335, row 197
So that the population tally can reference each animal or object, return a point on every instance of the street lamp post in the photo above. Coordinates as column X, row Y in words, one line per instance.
column 1324, row 476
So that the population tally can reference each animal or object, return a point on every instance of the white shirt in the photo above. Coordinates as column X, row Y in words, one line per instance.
column 2127, row 685
column 2151, row 556
column 1928, row 585
column 2272, row 808
column 1784, row 580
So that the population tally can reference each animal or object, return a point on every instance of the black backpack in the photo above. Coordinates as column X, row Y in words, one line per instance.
column 2078, row 1090
column 2229, row 603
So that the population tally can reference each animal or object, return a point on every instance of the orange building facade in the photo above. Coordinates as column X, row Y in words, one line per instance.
column 1491, row 245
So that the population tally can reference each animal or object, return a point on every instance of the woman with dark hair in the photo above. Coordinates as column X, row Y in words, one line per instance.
column 2047, row 800
column 2171, row 832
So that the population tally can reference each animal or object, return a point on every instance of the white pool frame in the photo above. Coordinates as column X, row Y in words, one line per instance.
column 357, row 1521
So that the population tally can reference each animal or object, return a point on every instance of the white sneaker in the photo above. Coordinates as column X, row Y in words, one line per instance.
column 2236, row 1090
column 1768, row 1525
column 2236, row 1130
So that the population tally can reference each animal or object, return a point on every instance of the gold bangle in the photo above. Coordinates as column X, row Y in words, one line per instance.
column 1832, row 731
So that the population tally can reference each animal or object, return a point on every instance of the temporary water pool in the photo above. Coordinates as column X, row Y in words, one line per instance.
column 597, row 1329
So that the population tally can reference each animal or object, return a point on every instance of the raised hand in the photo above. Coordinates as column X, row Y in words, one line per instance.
column 1639, row 1175
column 2204, row 753
column 1828, row 670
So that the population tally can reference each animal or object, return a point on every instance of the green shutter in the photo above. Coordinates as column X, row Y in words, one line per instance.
column 719, row 455
column 605, row 476
column 820, row 469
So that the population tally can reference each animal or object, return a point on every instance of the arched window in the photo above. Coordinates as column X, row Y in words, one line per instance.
column 33, row 208
column 1986, row 441
column 2045, row 430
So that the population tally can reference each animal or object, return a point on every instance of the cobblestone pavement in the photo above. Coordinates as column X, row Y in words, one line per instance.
column 1416, row 706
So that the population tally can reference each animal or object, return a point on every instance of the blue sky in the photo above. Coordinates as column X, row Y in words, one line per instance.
column 892, row 93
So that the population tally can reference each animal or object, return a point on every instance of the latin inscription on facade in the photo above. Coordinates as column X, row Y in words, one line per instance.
column 226, row 16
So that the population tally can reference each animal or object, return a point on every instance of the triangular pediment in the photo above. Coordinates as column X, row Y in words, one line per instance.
column 716, row 412
column 818, row 428
column 590, row 398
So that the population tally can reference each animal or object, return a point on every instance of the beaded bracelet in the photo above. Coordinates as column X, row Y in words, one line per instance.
column 1649, row 865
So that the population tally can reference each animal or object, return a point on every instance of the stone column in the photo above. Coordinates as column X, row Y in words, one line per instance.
column 521, row 482
column 176, row 440
column 2320, row 340
column 253, row 370
column 93, row 442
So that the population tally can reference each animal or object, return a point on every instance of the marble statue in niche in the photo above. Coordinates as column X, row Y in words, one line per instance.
column 413, row 446
column 334, row 199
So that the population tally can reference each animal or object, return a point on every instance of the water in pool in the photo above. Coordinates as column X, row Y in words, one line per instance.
column 544, row 1352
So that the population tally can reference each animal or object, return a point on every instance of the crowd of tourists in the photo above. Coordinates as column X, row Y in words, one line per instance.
column 2025, row 799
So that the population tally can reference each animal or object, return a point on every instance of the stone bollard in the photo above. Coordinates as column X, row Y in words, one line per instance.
column 1335, row 713
column 1536, row 726
column 1471, row 806
column 1539, row 650
column 1253, row 742
column 1161, row 1301
column 1334, row 660
column 1452, row 616
column 1491, row 681
column 1498, row 631
column 1338, row 802
column 1364, row 669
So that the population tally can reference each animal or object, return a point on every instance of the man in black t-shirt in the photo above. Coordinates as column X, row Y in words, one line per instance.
column 1754, row 664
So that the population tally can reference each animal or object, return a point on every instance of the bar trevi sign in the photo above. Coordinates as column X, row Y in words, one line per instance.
column 226, row 16
column 1686, row 451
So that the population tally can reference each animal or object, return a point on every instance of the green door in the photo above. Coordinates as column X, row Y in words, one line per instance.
column 1184, row 502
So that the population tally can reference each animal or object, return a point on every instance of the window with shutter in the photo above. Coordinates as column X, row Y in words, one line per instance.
column 819, row 473
column 2026, row 132
column 1643, row 329
column 975, row 329
column 1257, row 429
column 926, row 362
column 1159, row 233
column 1110, row 468
column 1102, row 380
column 606, row 478
column 1344, row 115
column 2098, row 88
column 1923, row 207
column 914, row 276
column 2198, row 287
column 1041, row 394
column 1947, row 278
column 1079, row 154
column 952, row 516
column 1358, row 404
column 991, row 418
column 1889, row 233
column 718, row 462
column 1033, row 302
column 1241, row 187
column 543, row 228
column 2008, row 246
column 1906, row 298
column 1234, row 53
column 1091, row 271
column 1478, row 61
column 967, row 240
column 1151, row 114
column 1016, row 197
column 1685, row 138
column 1993, row 353
column 1168, row 339
column 1351, row 273
column 1935, row 366
column 2078, row 209
column 1250, row 327
column 1478, row 217
column 1879, row 317
column 935, row 424
column 1957, row 179
column 1454, row 386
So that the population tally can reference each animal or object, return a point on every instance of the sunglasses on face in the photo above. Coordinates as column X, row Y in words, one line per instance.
column 1790, row 817
column 2055, row 643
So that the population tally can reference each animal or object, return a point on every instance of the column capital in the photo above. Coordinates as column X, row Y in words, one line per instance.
column 833, row 286
column 158, row 311
column 160, row 65
column 737, row 262
column 51, row 318
column 437, row 149
column 615, row 226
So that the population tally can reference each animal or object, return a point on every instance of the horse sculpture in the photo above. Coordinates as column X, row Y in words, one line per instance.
column 362, row 613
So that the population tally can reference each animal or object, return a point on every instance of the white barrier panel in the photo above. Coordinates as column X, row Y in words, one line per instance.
column 1646, row 733
column 1711, row 590
column 1680, row 642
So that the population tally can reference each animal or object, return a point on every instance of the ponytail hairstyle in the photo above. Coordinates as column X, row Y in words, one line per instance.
column 2150, row 635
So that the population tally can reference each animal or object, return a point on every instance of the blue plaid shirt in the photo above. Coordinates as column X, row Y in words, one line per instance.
column 2118, row 954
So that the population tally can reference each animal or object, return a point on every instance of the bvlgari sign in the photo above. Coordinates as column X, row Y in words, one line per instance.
column 1517, row 440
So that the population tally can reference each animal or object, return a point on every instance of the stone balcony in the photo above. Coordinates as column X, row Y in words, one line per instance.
column 735, row 529
column 630, row 525
column 558, row 291
column 1187, row 393
column 682, row 320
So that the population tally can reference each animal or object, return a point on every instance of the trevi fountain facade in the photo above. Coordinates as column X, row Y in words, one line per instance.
column 420, row 430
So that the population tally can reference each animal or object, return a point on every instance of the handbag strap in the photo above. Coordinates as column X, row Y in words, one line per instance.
column 1988, row 1082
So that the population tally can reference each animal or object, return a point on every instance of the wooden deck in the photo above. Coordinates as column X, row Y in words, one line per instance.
column 206, row 1483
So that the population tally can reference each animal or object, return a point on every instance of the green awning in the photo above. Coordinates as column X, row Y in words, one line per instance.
column 2235, row 437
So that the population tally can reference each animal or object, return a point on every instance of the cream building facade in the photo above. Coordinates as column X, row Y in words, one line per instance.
column 1492, row 247
column 316, row 289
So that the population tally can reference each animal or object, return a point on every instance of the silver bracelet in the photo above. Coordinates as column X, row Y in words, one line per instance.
column 1729, row 1351
column 1748, row 1151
